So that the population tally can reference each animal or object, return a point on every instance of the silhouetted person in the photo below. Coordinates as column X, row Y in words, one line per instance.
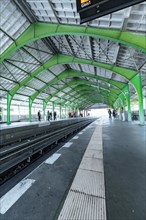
column 114, row 113
column 39, row 115
column 48, row 115
column 110, row 113
column 55, row 115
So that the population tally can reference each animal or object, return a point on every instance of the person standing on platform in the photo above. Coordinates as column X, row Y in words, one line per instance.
column 114, row 113
column 39, row 115
column 122, row 113
column 48, row 115
column 110, row 113
column 55, row 115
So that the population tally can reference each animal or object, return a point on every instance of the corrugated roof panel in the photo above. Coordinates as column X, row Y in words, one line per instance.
column 26, row 91
column 3, row 93
column 12, row 21
column 39, row 103
column 20, row 98
column 5, row 42
column 39, row 50
column 43, row 95
column 57, row 69
column 46, row 76
column 18, row 74
column 67, row 90
column 23, row 60
column 35, row 83
column 59, row 94
column 6, row 84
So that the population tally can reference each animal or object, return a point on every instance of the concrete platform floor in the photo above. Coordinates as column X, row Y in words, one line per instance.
column 124, row 147
column 124, row 155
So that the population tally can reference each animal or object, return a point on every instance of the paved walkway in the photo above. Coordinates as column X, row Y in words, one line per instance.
column 48, row 190
column 86, row 197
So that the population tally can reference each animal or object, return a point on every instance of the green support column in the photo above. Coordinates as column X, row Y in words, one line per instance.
column 9, row 99
column 60, row 111
column 44, row 108
column 30, row 109
column 137, row 83
column 127, row 95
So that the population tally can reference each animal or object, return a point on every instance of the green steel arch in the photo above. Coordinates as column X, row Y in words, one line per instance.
column 114, row 93
column 86, row 89
column 73, row 73
column 79, row 89
column 91, row 99
column 63, row 59
column 40, row 30
column 84, row 82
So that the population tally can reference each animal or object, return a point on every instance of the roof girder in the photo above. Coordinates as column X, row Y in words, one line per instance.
column 81, row 93
column 83, row 82
column 38, row 30
column 84, row 89
column 63, row 59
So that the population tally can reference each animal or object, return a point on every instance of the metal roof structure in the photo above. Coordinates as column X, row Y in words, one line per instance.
column 48, row 57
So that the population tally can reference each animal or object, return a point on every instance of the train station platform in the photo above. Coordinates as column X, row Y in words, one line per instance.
column 83, row 181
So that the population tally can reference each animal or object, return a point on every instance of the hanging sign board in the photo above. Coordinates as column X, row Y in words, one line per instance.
column 86, row 4
column 91, row 9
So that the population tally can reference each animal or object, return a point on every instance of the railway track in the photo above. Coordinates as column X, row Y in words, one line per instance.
column 16, row 156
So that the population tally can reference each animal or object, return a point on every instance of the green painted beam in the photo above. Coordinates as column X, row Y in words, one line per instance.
column 81, row 91
column 63, row 59
column 9, row 100
column 39, row 30
column 81, row 87
column 76, row 82
column 72, row 73
column 103, row 94
column 127, row 96
column 90, row 100
column 81, row 103
column 77, row 89
column 137, row 82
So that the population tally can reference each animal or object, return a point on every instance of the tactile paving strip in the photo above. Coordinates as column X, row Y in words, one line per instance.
column 79, row 206
column 86, row 197
column 91, row 183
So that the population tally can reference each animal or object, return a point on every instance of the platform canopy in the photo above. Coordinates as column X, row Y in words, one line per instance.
column 47, row 56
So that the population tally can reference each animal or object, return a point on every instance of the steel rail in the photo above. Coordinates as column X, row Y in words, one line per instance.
column 12, row 157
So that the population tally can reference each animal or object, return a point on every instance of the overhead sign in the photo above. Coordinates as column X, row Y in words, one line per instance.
column 91, row 9
column 86, row 4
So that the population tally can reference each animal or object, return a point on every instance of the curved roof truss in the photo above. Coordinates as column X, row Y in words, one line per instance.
column 104, row 89
column 63, row 59
column 88, row 90
column 39, row 30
